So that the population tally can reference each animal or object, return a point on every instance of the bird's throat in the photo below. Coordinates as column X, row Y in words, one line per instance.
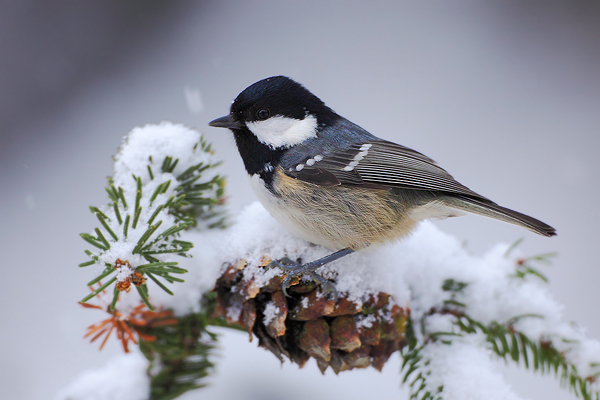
column 258, row 157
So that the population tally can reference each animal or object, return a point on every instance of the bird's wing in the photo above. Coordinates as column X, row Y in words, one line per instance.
column 377, row 163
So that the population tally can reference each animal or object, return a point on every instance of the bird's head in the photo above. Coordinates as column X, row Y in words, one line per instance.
column 278, row 111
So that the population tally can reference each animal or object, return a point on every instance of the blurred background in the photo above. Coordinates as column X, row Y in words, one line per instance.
column 503, row 94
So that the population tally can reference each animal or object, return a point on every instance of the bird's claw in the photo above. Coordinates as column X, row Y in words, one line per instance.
column 284, row 264
column 326, row 285
column 294, row 269
column 285, row 285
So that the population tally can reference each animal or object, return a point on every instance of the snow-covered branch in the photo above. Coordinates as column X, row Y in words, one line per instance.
column 453, row 314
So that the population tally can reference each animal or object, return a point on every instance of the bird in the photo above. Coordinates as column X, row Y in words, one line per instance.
column 332, row 183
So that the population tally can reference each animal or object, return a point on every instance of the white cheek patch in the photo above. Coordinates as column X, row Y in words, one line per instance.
column 281, row 131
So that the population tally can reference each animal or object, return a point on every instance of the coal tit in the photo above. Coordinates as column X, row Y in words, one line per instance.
column 333, row 183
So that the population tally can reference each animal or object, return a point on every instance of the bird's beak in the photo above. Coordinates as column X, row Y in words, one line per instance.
column 225, row 122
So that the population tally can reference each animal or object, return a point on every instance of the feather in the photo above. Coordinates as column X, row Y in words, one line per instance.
column 377, row 163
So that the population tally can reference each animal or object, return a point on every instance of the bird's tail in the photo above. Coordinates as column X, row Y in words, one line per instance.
column 490, row 209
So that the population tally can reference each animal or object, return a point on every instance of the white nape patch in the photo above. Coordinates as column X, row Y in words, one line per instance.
column 434, row 210
column 280, row 131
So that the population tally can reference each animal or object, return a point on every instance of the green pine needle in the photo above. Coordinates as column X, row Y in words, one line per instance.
column 103, row 275
column 122, row 197
column 154, row 214
column 169, row 278
column 136, row 217
column 117, row 212
column 144, row 297
column 157, row 264
column 173, row 165
column 116, row 293
column 102, row 218
column 126, row 225
column 163, row 287
column 146, row 236
column 172, row 230
column 102, row 238
column 165, row 270
column 150, row 173
column 87, row 263
column 93, row 241
column 100, row 289
column 157, row 191
column 188, row 172
column 111, row 194
column 100, row 214
column 166, row 164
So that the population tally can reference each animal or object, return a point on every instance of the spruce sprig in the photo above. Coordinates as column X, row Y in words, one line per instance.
column 193, row 197
column 537, row 355
column 180, row 354
column 503, row 339
column 414, row 367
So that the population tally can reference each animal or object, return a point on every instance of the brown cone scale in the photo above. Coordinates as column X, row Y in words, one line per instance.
column 342, row 335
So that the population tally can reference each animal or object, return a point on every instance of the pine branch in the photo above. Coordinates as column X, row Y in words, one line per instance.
column 502, row 338
column 411, row 368
column 540, row 355
column 179, row 353
column 152, row 228
column 143, row 227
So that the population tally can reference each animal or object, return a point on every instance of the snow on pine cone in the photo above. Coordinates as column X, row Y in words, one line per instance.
column 344, row 335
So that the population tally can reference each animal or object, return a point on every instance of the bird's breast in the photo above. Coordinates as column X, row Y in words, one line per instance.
column 335, row 217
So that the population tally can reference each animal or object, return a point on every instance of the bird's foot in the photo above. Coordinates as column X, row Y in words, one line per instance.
column 295, row 269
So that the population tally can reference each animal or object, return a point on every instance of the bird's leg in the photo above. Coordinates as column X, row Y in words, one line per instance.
column 294, row 269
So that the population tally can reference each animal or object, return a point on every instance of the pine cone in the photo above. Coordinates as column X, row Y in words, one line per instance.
column 343, row 335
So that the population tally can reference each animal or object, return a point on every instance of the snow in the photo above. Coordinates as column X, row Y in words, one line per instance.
column 123, row 378
column 413, row 271
column 234, row 312
column 124, row 272
column 158, row 141
column 466, row 371
column 270, row 312
column 146, row 148
column 365, row 321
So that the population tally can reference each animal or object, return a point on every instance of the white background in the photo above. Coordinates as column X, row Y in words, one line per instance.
column 504, row 95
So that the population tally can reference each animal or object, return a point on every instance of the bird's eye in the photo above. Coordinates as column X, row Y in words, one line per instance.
column 262, row 114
